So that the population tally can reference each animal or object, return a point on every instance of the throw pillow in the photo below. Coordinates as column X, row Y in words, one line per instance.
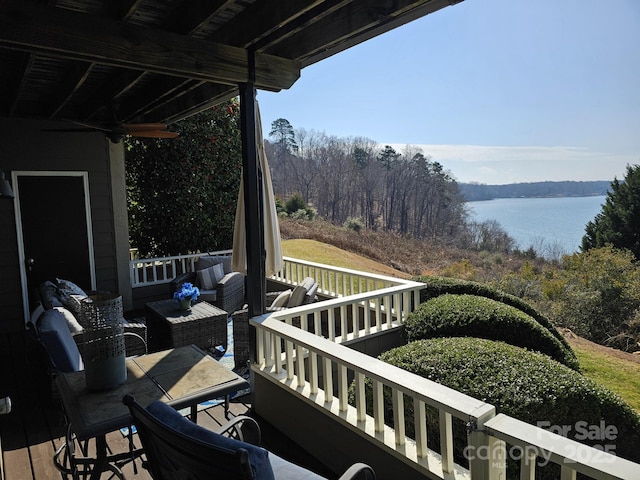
column 72, row 323
column 67, row 289
column 49, row 295
column 210, row 276
column 281, row 300
column 297, row 296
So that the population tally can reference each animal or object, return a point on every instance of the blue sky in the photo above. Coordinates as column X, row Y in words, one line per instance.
column 498, row 91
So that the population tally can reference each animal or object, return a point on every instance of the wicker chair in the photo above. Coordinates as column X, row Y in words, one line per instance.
column 177, row 448
column 227, row 294
column 302, row 294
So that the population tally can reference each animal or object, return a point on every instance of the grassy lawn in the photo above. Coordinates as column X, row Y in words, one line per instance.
column 618, row 374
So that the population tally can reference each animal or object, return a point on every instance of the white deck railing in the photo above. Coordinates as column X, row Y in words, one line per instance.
column 302, row 350
column 145, row 272
column 304, row 363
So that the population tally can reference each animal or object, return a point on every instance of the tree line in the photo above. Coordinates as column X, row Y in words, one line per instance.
column 346, row 178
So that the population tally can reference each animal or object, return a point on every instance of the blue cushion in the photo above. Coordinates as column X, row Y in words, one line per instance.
column 57, row 339
column 258, row 457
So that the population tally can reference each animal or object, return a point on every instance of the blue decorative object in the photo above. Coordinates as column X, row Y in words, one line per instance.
column 187, row 294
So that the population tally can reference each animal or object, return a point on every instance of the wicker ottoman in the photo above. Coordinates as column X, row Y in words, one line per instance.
column 169, row 327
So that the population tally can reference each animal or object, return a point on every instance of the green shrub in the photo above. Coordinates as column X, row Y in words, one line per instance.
column 440, row 285
column 472, row 316
column 355, row 224
column 596, row 294
column 523, row 384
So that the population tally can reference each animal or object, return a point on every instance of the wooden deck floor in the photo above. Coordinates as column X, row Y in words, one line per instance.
column 31, row 433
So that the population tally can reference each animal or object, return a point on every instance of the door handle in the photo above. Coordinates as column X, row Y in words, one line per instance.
column 29, row 262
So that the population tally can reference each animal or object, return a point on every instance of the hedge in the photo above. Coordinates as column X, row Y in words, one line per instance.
column 451, row 315
column 523, row 384
column 440, row 285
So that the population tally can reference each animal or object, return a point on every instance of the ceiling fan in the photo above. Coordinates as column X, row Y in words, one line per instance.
column 116, row 131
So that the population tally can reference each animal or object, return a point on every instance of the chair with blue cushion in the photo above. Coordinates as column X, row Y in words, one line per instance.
column 50, row 330
column 176, row 448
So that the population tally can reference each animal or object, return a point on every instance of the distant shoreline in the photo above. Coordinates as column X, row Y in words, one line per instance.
column 473, row 192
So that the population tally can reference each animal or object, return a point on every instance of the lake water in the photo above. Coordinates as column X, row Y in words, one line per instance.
column 552, row 226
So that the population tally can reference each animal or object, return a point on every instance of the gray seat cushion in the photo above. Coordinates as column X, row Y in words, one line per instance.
column 283, row 470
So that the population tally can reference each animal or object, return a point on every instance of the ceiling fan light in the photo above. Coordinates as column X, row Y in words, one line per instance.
column 5, row 188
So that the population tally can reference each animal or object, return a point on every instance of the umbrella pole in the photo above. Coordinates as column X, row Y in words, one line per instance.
column 256, row 279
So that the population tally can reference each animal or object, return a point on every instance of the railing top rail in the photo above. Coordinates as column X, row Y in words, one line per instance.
column 549, row 445
column 432, row 393
column 350, row 300
column 178, row 257
column 359, row 273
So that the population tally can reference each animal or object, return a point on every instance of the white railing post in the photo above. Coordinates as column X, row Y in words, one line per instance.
column 486, row 454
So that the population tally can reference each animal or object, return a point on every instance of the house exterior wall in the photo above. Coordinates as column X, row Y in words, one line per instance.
column 25, row 147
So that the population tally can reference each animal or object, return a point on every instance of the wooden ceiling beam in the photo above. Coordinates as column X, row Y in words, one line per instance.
column 191, row 15
column 74, row 78
column 153, row 95
column 205, row 96
column 16, row 84
column 354, row 24
column 260, row 19
column 33, row 27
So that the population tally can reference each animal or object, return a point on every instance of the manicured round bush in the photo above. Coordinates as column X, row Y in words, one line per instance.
column 472, row 316
column 440, row 285
column 520, row 383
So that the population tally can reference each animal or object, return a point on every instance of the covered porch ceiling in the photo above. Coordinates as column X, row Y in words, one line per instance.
column 143, row 61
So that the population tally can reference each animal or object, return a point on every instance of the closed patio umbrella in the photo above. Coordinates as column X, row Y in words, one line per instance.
column 273, row 248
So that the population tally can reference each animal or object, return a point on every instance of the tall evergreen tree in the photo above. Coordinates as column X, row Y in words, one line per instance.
column 182, row 193
column 284, row 135
column 618, row 224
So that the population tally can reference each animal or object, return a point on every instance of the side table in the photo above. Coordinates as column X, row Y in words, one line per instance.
column 169, row 327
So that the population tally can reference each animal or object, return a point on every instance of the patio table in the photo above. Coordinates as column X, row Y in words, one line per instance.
column 181, row 377
column 168, row 326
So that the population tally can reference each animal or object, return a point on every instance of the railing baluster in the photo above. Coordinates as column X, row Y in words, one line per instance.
column 361, row 402
column 276, row 351
column 528, row 466
column 378, row 406
column 367, row 317
column 317, row 324
column 446, row 441
column 344, row 330
column 327, row 380
column 567, row 473
column 331, row 323
column 355, row 319
column 289, row 358
column 343, row 395
column 300, row 365
column 313, row 372
column 272, row 350
column 397, row 398
column 420, row 421
column 262, row 338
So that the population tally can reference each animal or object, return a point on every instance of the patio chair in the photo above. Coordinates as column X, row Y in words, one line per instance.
column 51, row 332
column 176, row 448
column 302, row 294
column 218, row 283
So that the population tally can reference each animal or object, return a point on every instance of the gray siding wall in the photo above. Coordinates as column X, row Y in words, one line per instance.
column 24, row 147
